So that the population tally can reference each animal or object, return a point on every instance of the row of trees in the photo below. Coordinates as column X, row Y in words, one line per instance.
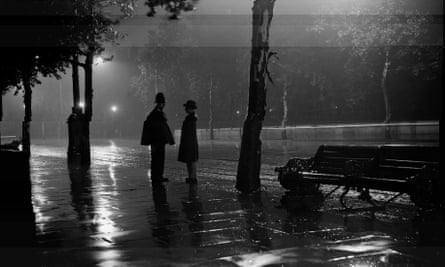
column 340, row 82
column 46, row 37
column 318, row 93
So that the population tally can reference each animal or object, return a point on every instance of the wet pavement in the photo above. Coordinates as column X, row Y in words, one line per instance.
column 111, row 215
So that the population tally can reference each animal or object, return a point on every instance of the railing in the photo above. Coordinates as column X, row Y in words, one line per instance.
column 403, row 131
column 423, row 131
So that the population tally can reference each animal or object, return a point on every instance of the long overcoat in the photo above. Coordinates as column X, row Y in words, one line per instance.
column 188, row 148
column 156, row 130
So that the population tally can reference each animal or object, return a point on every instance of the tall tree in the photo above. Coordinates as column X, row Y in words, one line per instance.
column 92, row 28
column 249, row 164
column 29, row 51
column 389, row 30
column 89, row 28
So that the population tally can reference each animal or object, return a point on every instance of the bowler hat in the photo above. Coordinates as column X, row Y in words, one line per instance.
column 190, row 104
column 160, row 99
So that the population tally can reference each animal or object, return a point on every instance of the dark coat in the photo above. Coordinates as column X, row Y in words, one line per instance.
column 188, row 148
column 156, row 130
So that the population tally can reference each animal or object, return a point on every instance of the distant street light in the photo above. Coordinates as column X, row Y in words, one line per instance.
column 114, row 108
column 240, row 122
column 98, row 60
column 81, row 104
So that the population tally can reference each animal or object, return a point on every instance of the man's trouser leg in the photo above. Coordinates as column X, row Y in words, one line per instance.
column 157, row 161
column 191, row 169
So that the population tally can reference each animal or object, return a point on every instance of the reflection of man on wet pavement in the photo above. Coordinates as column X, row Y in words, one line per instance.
column 193, row 211
column 156, row 134
column 164, row 220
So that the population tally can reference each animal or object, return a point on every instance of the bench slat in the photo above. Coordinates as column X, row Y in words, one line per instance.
column 384, row 184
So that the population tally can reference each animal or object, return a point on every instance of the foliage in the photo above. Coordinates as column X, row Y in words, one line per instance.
column 174, row 7
column 382, row 39
column 387, row 26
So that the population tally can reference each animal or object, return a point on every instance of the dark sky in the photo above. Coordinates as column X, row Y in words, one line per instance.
column 227, row 23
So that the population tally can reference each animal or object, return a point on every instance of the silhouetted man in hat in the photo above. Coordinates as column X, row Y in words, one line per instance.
column 157, row 134
column 188, row 147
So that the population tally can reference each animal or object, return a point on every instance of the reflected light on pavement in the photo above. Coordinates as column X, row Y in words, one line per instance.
column 114, row 150
column 108, row 258
column 40, row 199
column 106, row 203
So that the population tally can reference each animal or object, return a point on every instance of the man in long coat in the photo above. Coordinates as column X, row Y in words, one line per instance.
column 157, row 134
column 188, row 147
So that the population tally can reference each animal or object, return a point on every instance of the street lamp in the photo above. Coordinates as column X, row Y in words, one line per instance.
column 114, row 108
column 239, row 121
column 98, row 60
column 81, row 105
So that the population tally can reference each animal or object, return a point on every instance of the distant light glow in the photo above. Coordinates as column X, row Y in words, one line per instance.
column 237, row 112
column 81, row 104
column 98, row 61
column 114, row 108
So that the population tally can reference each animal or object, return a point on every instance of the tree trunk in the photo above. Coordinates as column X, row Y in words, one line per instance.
column 285, row 110
column 384, row 87
column 249, row 165
column 89, row 85
column 76, row 90
column 75, row 121
column 212, row 136
column 1, row 114
column 85, row 150
column 26, row 135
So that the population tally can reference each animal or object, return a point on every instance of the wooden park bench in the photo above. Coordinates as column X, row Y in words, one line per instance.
column 409, row 169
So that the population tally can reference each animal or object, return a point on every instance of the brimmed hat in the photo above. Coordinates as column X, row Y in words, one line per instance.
column 190, row 104
column 160, row 99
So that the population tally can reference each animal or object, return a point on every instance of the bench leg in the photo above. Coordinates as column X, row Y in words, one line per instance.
column 365, row 196
column 342, row 198
column 391, row 199
column 330, row 192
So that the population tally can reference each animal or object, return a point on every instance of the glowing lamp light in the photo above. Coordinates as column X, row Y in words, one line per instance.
column 237, row 112
column 114, row 108
column 81, row 104
column 98, row 61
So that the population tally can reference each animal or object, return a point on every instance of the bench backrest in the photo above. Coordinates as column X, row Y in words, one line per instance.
column 332, row 158
column 402, row 161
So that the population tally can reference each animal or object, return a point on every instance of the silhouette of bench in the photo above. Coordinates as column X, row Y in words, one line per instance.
column 409, row 169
